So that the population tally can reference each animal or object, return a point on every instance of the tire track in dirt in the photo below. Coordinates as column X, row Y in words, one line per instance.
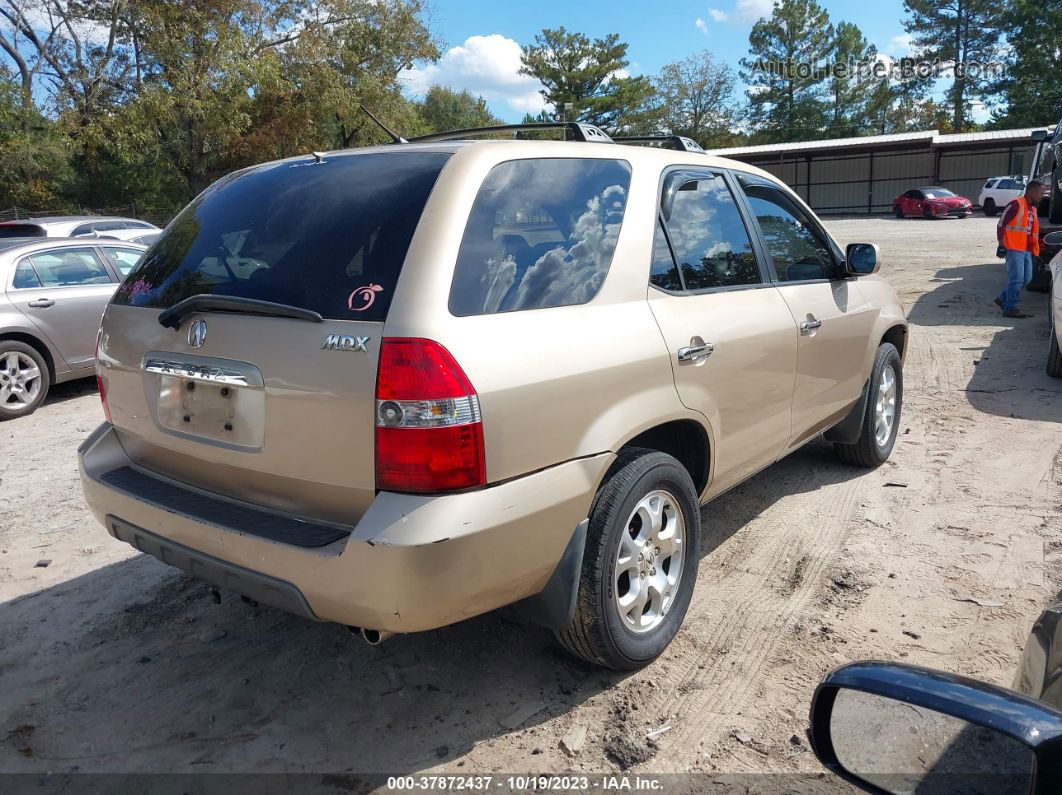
column 754, row 617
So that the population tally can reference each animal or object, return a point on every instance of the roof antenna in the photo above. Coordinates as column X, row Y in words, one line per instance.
column 395, row 137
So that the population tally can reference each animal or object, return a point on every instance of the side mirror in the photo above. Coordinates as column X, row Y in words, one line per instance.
column 1053, row 239
column 890, row 728
column 861, row 259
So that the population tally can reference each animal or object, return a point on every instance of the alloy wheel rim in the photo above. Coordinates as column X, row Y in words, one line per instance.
column 885, row 406
column 20, row 381
column 649, row 562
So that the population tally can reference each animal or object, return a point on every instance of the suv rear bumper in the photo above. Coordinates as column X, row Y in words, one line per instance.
column 411, row 563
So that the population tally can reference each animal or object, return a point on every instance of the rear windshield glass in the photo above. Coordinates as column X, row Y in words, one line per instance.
column 541, row 233
column 328, row 236
column 22, row 230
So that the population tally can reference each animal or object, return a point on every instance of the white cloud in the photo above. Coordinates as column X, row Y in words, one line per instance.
column 717, row 15
column 752, row 11
column 701, row 25
column 902, row 44
column 979, row 111
column 485, row 65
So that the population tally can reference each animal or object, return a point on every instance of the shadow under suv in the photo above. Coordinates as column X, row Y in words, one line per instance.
column 401, row 386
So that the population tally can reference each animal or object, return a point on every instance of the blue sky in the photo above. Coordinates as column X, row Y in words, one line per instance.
column 481, row 38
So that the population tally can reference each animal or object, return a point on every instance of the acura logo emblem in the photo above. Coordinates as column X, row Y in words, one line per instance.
column 197, row 333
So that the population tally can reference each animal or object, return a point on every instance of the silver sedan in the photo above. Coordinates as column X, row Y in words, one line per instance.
column 52, row 296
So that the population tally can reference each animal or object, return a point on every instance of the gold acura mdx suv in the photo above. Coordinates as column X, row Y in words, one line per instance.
column 400, row 386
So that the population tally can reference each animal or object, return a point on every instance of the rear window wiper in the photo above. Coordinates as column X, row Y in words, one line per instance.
column 172, row 317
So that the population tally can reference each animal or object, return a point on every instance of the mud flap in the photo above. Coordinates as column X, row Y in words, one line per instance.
column 847, row 430
column 554, row 606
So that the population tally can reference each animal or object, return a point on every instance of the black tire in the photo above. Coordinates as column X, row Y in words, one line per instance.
column 897, row 210
column 597, row 633
column 1054, row 355
column 12, row 346
column 990, row 208
column 866, row 452
column 1041, row 279
column 927, row 213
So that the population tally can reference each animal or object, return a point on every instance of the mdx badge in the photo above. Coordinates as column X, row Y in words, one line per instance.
column 197, row 333
column 341, row 342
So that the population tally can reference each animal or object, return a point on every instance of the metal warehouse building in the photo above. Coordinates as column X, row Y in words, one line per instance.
column 864, row 175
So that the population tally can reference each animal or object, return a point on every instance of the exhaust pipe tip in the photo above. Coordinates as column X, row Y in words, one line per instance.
column 374, row 637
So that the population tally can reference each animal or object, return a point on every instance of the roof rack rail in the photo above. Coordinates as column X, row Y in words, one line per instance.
column 586, row 133
column 677, row 141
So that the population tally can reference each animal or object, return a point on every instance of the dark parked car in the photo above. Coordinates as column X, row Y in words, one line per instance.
column 892, row 728
column 931, row 203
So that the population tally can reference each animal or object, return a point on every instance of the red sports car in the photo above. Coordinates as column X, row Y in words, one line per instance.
column 932, row 203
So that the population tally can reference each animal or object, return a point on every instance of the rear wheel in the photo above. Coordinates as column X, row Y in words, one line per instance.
column 927, row 213
column 990, row 207
column 640, row 562
column 1054, row 355
column 1041, row 278
column 881, row 418
column 897, row 210
column 23, row 379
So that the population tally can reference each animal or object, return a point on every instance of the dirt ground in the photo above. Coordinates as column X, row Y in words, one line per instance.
column 113, row 662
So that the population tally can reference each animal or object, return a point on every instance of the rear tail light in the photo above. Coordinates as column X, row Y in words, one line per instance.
column 429, row 433
column 99, row 379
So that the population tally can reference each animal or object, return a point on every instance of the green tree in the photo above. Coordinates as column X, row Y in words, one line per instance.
column 962, row 35
column 34, row 156
column 1031, row 89
column 446, row 109
column 86, row 66
column 228, row 83
column 586, row 74
column 851, row 82
column 786, row 70
column 696, row 98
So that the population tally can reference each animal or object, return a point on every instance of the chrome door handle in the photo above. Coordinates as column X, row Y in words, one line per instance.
column 691, row 352
column 42, row 303
column 808, row 326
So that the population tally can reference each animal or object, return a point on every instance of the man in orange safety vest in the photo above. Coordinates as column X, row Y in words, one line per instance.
column 1018, row 236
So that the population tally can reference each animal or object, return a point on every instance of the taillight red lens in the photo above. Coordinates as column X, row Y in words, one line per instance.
column 416, row 369
column 99, row 379
column 429, row 435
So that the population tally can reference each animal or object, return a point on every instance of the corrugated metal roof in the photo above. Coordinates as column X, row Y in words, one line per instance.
column 831, row 143
column 931, row 137
column 1021, row 134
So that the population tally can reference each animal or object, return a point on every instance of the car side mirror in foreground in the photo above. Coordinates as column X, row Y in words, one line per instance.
column 861, row 259
column 1053, row 239
column 890, row 728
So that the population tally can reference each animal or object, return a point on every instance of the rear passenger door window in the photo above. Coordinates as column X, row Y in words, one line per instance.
column 541, row 234
column 797, row 247
column 69, row 267
column 708, row 240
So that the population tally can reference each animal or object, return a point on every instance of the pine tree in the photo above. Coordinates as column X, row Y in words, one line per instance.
column 1032, row 87
column 850, row 90
column 589, row 76
column 787, row 69
column 963, row 35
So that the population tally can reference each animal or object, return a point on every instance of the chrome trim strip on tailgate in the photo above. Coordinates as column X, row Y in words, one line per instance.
column 196, row 372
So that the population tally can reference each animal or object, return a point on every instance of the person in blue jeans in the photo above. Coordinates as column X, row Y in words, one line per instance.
column 1018, row 236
